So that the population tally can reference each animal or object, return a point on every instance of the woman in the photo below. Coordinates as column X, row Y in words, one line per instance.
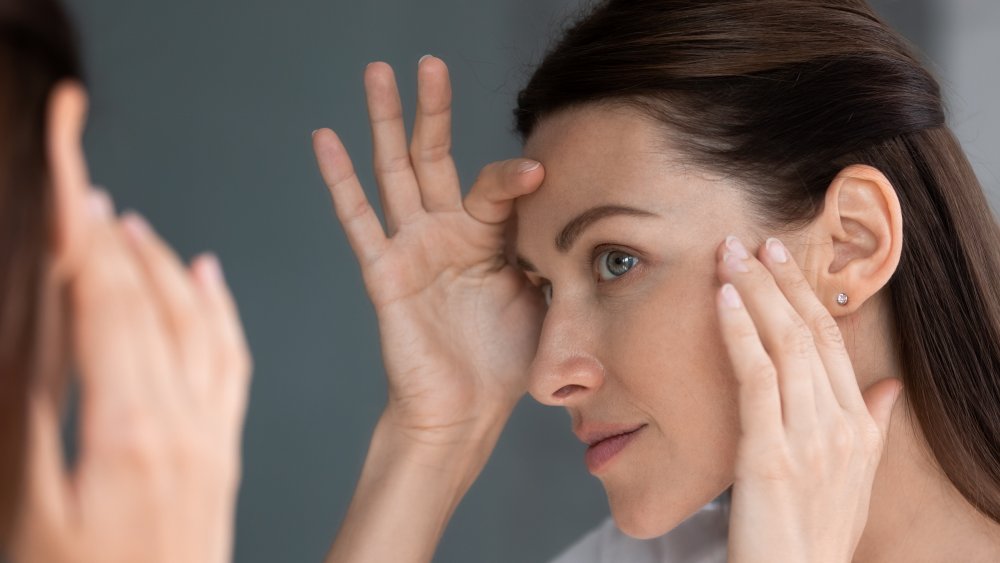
column 156, row 345
column 772, row 179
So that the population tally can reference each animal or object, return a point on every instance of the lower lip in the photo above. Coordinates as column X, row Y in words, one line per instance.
column 600, row 454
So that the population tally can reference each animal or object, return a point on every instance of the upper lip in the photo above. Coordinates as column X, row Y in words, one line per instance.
column 591, row 434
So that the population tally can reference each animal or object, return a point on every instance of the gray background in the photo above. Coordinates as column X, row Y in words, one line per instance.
column 201, row 115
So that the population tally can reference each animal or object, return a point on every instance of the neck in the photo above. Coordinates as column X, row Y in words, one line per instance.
column 916, row 514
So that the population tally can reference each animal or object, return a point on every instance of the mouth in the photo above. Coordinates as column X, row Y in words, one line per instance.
column 605, row 445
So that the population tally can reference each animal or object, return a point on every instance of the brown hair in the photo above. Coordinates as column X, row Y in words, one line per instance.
column 784, row 94
column 37, row 50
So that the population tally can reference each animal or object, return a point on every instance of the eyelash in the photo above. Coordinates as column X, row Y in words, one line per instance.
column 597, row 252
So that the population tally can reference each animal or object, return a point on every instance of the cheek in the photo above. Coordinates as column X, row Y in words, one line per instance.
column 674, row 369
column 683, row 373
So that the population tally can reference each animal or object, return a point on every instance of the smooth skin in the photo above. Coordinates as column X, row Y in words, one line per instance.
column 163, row 370
column 781, row 416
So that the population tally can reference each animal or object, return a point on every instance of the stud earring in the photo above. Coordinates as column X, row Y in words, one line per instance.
column 841, row 299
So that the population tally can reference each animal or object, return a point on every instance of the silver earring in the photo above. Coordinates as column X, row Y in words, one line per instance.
column 841, row 299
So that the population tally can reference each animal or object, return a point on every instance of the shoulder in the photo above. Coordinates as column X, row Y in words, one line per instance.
column 699, row 539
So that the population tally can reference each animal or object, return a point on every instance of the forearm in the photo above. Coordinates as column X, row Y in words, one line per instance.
column 407, row 492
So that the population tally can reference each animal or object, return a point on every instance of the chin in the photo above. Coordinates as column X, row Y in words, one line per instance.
column 644, row 514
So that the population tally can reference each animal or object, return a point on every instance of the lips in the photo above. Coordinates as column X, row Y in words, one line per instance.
column 605, row 444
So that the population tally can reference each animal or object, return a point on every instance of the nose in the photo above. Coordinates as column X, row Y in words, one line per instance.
column 565, row 370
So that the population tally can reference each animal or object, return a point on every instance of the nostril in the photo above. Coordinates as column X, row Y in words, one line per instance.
column 566, row 391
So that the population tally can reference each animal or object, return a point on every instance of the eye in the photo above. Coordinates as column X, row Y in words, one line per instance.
column 612, row 264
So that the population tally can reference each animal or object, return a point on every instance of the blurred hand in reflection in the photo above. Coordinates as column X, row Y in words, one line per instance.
column 163, row 370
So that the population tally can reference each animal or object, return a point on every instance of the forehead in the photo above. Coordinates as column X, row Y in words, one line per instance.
column 597, row 155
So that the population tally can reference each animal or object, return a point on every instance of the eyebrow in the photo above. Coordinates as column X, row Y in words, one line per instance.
column 580, row 223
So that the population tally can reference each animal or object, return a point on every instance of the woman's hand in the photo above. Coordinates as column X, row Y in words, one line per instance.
column 163, row 371
column 458, row 324
column 810, row 441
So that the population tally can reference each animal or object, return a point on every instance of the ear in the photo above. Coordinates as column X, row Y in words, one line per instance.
column 67, row 114
column 856, row 241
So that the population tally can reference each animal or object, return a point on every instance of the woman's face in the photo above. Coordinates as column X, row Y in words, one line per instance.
column 630, row 340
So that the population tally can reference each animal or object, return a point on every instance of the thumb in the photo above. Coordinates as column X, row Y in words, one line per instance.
column 491, row 198
column 880, row 399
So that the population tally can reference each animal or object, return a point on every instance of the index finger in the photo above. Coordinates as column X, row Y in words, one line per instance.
column 826, row 332
column 361, row 224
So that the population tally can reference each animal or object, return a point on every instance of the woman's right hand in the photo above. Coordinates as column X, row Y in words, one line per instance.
column 458, row 323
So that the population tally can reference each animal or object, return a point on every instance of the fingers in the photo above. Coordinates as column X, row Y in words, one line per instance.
column 201, row 315
column 233, row 362
column 179, row 305
column 782, row 332
column 119, row 339
column 430, row 150
column 397, row 182
column 760, row 405
column 829, row 341
column 491, row 199
column 361, row 224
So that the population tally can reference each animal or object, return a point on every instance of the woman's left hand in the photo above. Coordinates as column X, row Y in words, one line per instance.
column 810, row 441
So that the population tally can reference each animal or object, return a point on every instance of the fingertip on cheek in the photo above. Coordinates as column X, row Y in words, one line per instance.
column 730, row 297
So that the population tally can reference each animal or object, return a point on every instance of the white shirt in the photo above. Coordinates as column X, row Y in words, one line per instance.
column 699, row 539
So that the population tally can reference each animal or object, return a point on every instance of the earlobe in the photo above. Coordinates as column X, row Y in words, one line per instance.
column 69, row 179
column 862, row 220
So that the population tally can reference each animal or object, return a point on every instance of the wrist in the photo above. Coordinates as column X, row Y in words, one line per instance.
column 462, row 446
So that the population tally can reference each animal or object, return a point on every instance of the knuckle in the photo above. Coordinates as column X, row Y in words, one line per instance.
column 774, row 463
column 487, row 175
column 761, row 378
column 435, row 152
column 827, row 329
column 842, row 438
column 135, row 442
column 814, row 454
column 798, row 339
column 744, row 331
column 394, row 164
column 799, row 284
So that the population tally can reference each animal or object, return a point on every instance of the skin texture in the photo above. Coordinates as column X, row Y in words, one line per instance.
column 163, row 369
column 802, row 476
column 642, row 348
column 739, row 367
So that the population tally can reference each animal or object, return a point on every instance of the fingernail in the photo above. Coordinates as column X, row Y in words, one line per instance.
column 422, row 59
column 314, row 132
column 734, row 262
column 136, row 226
column 100, row 204
column 736, row 247
column 776, row 250
column 528, row 166
column 209, row 270
column 730, row 297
